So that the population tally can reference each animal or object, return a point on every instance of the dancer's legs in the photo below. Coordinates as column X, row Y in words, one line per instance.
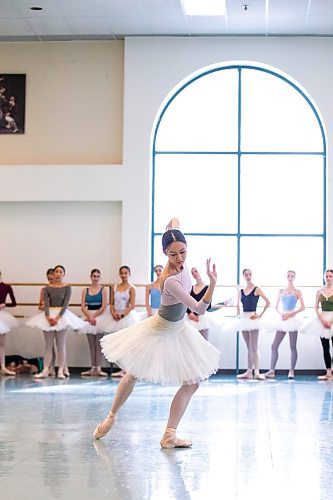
column 253, row 337
column 179, row 404
column 327, row 359
column 293, row 351
column 248, row 372
column 61, row 338
column 2, row 350
column 99, row 355
column 3, row 369
column 279, row 336
column 49, row 346
column 204, row 333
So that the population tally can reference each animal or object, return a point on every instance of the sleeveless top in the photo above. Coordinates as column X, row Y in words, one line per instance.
column 198, row 297
column 326, row 302
column 249, row 301
column 94, row 302
column 288, row 301
column 155, row 298
column 121, row 299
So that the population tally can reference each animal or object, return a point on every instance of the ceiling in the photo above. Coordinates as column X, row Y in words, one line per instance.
column 115, row 19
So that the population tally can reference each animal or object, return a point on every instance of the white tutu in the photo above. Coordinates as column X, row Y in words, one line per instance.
column 3, row 328
column 101, row 322
column 161, row 351
column 68, row 320
column 112, row 325
column 293, row 324
column 315, row 326
column 244, row 323
column 8, row 320
column 203, row 324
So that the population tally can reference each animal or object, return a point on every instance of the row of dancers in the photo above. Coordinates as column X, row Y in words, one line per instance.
column 99, row 319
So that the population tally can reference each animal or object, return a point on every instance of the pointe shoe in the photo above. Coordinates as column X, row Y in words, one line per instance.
column 325, row 377
column 42, row 374
column 170, row 440
column 103, row 428
column 87, row 373
column 4, row 371
column 66, row 372
column 100, row 373
column 259, row 376
column 244, row 376
column 61, row 375
column 291, row 376
column 270, row 374
column 119, row 374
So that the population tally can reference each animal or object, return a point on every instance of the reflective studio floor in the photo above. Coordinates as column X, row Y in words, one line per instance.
column 251, row 440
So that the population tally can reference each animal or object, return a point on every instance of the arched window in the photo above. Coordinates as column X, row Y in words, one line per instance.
column 239, row 156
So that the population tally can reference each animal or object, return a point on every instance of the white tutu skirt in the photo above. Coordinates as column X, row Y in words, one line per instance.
column 315, row 326
column 7, row 322
column 101, row 322
column 112, row 325
column 244, row 323
column 161, row 351
column 204, row 322
column 293, row 324
column 68, row 320
column 3, row 328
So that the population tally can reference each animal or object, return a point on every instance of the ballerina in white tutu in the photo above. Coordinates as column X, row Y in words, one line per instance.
column 322, row 325
column 49, row 277
column 289, row 321
column 55, row 320
column 249, row 323
column 153, row 293
column 94, row 308
column 122, row 307
column 199, row 321
column 7, row 322
column 165, row 348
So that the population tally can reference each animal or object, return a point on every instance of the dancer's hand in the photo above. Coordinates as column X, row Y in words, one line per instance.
column 211, row 272
column 193, row 317
column 2, row 306
column 172, row 224
column 92, row 320
column 286, row 315
column 254, row 316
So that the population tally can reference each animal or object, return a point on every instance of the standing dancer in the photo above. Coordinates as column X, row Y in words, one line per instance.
column 322, row 325
column 153, row 293
column 288, row 322
column 7, row 322
column 249, row 323
column 93, row 305
column 164, row 348
column 122, row 307
column 55, row 320
column 199, row 321
column 49, row 276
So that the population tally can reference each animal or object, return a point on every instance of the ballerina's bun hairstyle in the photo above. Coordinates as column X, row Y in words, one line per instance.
column 93, row 271
column 171, row 236
column 246, row 269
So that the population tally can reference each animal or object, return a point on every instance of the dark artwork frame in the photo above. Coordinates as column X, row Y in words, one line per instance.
column 12, row 103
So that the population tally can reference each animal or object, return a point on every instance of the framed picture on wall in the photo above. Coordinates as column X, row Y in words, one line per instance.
column 12, row 103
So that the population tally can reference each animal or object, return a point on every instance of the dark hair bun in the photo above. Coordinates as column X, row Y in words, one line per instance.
column 170, row 236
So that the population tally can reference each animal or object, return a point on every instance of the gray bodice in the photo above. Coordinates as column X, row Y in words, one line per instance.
column 174, row 312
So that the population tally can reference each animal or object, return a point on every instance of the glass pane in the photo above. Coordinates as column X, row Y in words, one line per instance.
column 281, row 194
column 271, row 257
column 201, row 190
column 203, row 116
column 221, row 249
column 275, row 116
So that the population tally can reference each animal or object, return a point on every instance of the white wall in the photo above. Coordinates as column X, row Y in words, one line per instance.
column 152, row 68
